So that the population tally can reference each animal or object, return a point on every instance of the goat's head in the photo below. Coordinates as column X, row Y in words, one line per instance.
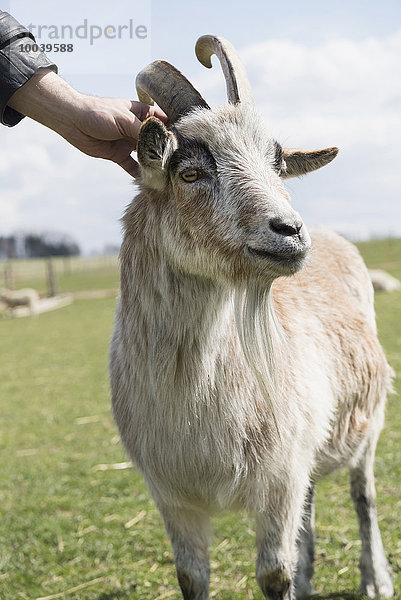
column 217, row 174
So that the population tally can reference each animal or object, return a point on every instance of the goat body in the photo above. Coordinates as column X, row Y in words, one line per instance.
column 383, row 281
column 238, row 377
column 25, row 297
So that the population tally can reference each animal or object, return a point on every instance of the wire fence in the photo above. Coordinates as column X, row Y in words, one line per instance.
column 60, row 274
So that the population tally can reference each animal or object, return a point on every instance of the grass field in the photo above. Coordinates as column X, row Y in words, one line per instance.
column 73, row 525
column 73, row 274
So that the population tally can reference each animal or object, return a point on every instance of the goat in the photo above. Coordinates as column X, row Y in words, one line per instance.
column 383, row 281
column 244, row 363
column 25, row 297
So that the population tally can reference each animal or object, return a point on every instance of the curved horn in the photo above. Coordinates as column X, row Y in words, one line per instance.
column 164, row 84
column 238, row 86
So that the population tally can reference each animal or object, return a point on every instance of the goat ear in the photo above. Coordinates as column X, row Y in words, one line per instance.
column 300, row 162
column 155, row 145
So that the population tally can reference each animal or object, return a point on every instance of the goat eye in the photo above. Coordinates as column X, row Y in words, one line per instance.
column 190, row 175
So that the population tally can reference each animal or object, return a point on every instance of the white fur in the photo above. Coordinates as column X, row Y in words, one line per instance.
column 237, row 381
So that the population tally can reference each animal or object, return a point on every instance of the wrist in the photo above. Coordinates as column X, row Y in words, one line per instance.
column 48, row 99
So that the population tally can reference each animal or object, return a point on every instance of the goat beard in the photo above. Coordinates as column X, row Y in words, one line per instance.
column 262, row 340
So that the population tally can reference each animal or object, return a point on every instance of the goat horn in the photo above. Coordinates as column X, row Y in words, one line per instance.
column 164, row 84
column 238, row 86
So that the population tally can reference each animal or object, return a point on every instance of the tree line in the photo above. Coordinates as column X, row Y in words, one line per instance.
column 37, row 245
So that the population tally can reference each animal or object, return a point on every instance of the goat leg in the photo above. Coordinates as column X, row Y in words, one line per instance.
column 276, row 535
column 306, row 548
column 375, row 577
column 189, row 532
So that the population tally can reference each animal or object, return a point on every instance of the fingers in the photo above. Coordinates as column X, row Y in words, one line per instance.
column 157, row 112
column 130, row 165
column 131, row 130
column 143, row 111
column 139, row 112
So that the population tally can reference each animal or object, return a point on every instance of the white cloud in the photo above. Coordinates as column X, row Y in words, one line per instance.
column 352, row 88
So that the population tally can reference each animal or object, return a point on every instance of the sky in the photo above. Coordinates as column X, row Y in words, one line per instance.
column 324, row 73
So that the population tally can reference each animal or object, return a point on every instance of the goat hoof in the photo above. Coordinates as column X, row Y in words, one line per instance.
column 276, row 585
column 191, row 588
column 379, row 590
column 304, row 590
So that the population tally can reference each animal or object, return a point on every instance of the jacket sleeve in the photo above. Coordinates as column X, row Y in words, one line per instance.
column 16, row 67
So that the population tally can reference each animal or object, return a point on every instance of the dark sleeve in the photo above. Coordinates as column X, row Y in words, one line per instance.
column 16, row 67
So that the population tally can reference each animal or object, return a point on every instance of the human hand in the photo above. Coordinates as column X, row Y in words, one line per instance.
column 100, row 127
column 109, row 128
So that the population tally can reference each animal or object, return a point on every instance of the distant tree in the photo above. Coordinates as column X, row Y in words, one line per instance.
column 38, row 245
column 50, row 244
column 7, row 247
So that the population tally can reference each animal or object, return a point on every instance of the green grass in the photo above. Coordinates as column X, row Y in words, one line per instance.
column 62, row 525
column 383, row 254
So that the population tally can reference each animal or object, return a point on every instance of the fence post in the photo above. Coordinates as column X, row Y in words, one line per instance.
column 9, row 276
column 51, row 278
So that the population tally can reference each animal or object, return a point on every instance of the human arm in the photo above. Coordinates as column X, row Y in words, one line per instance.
column 101, row 127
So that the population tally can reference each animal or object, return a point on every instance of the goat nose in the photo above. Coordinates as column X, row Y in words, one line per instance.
column 282, row 228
